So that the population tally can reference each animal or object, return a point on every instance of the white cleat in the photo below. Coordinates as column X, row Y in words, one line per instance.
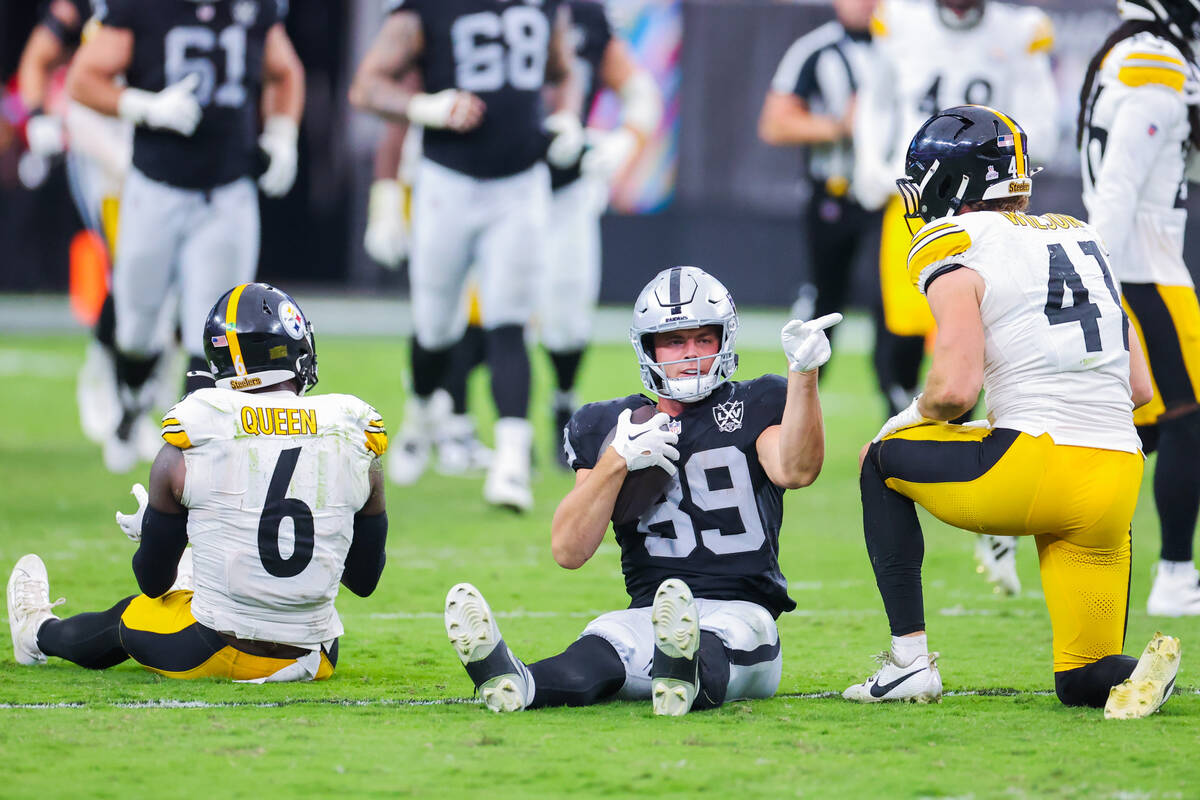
column 916, row 682
column 1174, row 593
column 1150, row 685
column 459, row 451
column 409, row 454
column 502, row 680
column 996, row 558
column 96, row 394
column 674, row 674
column 508, row 480
column 28, row 607
column 185, row 580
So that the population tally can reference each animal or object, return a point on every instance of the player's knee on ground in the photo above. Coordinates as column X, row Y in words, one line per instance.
column 1089, row 685
column 585, row 673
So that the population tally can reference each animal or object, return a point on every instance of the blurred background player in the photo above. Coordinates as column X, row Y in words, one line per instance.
column 481, row 193
column 196, row 77
column 450, row 431
column 568, row 293
column 1138, row 126
column 254, row 615
column 700, row 628
column 97, row 156
column 934, row 54
column 811, row 104
column 1058, row 457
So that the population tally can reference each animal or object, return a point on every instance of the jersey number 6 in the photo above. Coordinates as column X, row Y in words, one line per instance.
column 276, row 508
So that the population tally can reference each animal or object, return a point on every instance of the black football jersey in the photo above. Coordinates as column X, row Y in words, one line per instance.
column 717, row 525
column 496, row 49
column 590, row 34
column 222, row 42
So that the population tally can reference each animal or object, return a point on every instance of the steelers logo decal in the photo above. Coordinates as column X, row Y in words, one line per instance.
column 289, row 317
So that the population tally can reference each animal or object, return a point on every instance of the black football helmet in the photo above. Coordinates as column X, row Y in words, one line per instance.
column 960, row 14
column 962, row 155
column 1182, row 17
column 257, row 336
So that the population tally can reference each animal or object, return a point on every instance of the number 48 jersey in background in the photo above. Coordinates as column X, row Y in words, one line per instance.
column 497, row 50
column 717, row 525
column 222, row 43
column 273, row 483
column 1056, row 356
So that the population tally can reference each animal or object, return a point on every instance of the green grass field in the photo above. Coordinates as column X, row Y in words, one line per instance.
column 397, row 718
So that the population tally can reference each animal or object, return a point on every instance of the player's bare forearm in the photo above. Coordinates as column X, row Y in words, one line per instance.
column 92, row 79
column 785, row 120
column 793, row 452
column 283, row 94
column 378, row 85
column 582, row 517
column 43, row 52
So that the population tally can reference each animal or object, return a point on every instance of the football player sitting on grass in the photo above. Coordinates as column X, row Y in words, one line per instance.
column 239, row 460
column 694, row 486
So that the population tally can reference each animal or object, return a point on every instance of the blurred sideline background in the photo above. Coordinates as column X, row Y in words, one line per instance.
column 707, row 192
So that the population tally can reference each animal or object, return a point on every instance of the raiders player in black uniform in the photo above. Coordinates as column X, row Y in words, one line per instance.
column 701, row 565
column 568, row 294
column 194, row 72
column 481, row 193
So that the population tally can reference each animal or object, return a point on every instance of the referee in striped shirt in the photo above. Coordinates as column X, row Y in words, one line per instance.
column 811, row 104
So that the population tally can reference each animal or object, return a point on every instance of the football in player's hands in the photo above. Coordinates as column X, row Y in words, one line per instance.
column 641, row 488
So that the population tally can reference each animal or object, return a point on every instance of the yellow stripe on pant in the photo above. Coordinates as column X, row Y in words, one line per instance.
column 905, row 310
column 162, row 635
column 1077, row 502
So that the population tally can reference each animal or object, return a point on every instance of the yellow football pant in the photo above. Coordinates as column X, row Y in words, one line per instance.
column 905, row 310
column 1167, row 322
column 162, row 635
column 1077, row 503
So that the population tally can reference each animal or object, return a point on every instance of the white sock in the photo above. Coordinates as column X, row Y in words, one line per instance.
column 907, row 648
column 1176, row 568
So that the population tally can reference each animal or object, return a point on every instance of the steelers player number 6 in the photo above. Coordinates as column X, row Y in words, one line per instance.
column 277, row 507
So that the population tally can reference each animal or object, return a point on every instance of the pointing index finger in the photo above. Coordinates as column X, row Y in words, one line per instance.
column 827, row 321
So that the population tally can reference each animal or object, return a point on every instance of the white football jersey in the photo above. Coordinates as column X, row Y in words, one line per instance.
column 1134, row 155
column 273, row 483
column 1056, row 354
column 924, row 67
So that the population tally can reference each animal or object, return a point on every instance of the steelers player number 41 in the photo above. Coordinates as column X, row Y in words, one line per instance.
column 1064, row 276
column 276, row 508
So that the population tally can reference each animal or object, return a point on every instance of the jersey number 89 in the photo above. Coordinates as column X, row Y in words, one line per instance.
column 492, row 49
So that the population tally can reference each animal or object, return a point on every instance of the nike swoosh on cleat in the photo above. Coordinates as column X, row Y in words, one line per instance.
column 880, row 689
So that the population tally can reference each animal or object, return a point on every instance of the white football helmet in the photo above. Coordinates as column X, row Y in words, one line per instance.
column 681, row 298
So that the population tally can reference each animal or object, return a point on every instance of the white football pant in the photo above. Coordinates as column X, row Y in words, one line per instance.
column 570, row 288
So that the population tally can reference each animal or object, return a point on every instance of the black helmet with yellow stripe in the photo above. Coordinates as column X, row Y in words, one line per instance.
column 1181, row 17
column 256, row 336
column 963, row 155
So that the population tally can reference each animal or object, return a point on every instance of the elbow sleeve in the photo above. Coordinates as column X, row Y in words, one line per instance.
column 641, row 103
column 164, row 537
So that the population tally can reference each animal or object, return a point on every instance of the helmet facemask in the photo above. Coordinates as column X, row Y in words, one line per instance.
column 960, row 15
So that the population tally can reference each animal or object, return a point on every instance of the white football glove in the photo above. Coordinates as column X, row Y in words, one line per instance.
column 45, row 135
column 386, row 238
column 131, row 524
column 278, row 141
column 905, row 419
column 567, row 139
column 646, row 444
column 608, row 152
column 449, row 108
column 175, row 108
column 805, row 343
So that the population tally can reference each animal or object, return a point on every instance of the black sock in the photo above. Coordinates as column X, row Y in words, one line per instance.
column 106, row 324
column 469, row 353
column 508, row 361
column 566, row 367
column 89, row 640
column 198, row 376
column 895, row 546
column 714, row 672
column 897, row 361
column 585, row 673
column 1089, row 685
column 428, row 368
column 133, row 371
column 1177, row 484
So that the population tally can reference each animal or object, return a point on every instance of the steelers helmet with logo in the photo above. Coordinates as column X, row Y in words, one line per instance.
column 256, row 336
